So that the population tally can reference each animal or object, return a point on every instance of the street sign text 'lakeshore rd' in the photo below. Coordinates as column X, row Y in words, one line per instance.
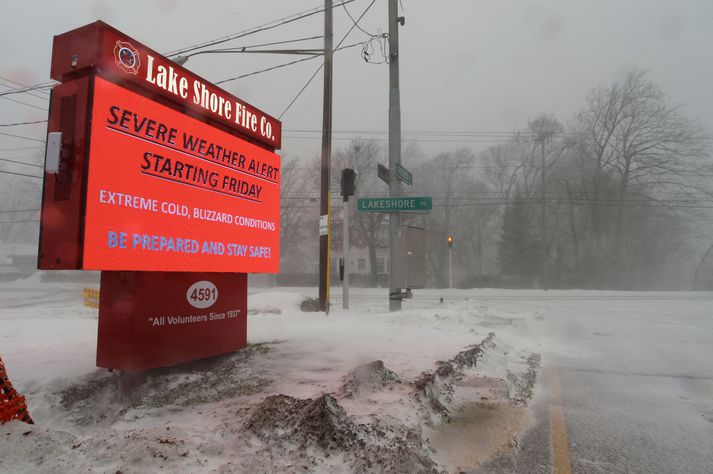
column 386, row 204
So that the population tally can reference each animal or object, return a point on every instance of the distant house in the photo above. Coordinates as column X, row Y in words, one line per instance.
column 359, row 264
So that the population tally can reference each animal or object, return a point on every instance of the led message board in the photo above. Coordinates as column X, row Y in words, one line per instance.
column 166, row 183
column 167, row 192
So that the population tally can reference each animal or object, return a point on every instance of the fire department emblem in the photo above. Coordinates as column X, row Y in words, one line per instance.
column 127, row 57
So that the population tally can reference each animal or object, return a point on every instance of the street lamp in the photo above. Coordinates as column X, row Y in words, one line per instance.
column 182, row 59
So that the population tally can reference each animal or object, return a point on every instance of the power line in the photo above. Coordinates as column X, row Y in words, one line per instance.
column 504, row 133
column 22, row 85
column 537, row 203
column 316, row 71
column 21, row 123
column 42, row 97
column 19, row 222
column 20, row 136
column 475, row 133
column 497, row 197
column 248, row 49
column 45, row 93
column 19, row 210
column 280, row 65
column 512, row 136
column 417, row 140
column 44, row 85
column 356, row 22
column 407, row 138
column 21, row 174
column 322, row 65
column 21, row 102
column 22, row 148
column 580, row 203
column 268, row 69
column 258, row 29
column 20, row 162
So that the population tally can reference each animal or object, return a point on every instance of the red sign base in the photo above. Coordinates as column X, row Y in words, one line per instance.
column 158, row 319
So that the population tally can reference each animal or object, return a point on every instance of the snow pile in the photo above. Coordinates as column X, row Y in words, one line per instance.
column 311, row 430
column 105, row 399
column 273, row 302
column 370, row 377
column 521, row 386
column 364, row 390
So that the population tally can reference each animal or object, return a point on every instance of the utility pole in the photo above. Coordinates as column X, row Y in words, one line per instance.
column 324, row 204
column 545, row 276
column 394, row 149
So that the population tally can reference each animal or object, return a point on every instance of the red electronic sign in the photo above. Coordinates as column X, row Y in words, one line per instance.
column 169, row 185
column 167, row 192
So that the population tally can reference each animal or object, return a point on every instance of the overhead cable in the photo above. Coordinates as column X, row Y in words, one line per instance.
column 258, row 29
column 21, row 174
column 322, row 65
column 22, row 137
column 21, row 123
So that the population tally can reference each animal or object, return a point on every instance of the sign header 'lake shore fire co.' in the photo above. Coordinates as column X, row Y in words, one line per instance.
column 123, row 59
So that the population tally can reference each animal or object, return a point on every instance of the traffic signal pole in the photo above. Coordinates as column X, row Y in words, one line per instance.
column 345, row 283
column 348, row 185
column 394, row 150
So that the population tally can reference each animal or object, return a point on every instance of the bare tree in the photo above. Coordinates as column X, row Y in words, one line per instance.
column 637, row 146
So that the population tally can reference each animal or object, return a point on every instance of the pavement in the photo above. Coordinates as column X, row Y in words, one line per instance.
column 626, row 384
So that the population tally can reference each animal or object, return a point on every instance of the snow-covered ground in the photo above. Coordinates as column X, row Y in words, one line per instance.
column 439, row 386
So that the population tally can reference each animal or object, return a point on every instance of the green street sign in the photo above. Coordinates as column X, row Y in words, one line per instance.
column 383, row 173
column 404, row 175
column 395, row 204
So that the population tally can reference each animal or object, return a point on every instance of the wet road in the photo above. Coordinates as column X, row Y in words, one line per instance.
column 627, row 385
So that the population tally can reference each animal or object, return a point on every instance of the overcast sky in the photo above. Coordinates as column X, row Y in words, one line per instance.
column 470, row 65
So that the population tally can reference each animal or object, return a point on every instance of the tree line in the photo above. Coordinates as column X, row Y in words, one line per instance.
column 613, row 198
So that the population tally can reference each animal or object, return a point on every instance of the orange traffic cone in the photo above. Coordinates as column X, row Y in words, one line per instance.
column 12, row 404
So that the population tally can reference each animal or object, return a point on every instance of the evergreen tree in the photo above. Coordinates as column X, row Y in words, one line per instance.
column 518, row 249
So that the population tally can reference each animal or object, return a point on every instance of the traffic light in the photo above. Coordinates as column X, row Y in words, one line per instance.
column 450, row 241
column 348, row 183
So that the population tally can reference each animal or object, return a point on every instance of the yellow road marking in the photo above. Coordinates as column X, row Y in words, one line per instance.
column 561, row 462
